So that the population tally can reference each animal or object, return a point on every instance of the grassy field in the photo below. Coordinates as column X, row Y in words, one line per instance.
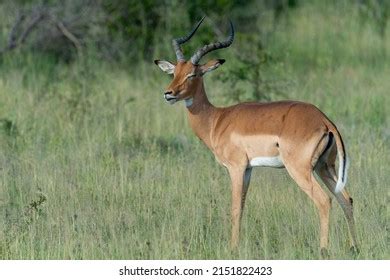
column 95, row 165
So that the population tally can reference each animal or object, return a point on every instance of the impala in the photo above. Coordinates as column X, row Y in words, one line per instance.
column 293, row 135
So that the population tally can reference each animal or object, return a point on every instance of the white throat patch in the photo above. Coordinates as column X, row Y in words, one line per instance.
column 267, row 161
column 188, row 102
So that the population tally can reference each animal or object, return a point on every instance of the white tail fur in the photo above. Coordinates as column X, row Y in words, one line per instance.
column 342, row 174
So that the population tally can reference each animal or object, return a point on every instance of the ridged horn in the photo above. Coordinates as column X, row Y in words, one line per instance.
column 214, row 46
column 177, row 42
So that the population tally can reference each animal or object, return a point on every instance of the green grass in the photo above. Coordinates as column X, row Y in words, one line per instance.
column 94, row 165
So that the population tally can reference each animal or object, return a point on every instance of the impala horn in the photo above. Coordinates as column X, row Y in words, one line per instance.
column 177, row 42
column 214, row 46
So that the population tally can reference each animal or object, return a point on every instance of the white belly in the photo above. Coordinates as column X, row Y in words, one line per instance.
column 266, row 161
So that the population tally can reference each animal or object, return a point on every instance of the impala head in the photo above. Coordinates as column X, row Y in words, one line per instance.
column 188, row 74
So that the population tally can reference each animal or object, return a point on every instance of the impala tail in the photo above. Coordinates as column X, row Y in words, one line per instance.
column 343, row 162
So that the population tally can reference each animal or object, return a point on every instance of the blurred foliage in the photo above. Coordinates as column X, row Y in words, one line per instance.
column 132, row 31
column 136, row 30
column 377, row 10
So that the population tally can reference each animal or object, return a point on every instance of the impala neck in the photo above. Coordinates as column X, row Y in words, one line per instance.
column 201, row 113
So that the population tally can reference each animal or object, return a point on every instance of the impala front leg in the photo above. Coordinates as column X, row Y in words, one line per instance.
column 237, row 178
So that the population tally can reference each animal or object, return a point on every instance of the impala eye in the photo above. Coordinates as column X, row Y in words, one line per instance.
column 191, row 76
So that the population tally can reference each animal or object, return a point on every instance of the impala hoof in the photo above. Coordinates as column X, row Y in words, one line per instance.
column 354, row 251
column 324, row 254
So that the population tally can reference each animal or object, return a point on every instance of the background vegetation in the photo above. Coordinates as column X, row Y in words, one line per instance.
column 95, row 165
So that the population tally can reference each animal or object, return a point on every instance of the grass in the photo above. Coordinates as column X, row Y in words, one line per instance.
column 94, row 165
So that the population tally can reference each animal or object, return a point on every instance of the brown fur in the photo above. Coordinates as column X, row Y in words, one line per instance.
column 298, row 132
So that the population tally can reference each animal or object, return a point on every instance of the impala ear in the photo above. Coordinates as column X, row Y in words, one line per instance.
column 211, row 65
column 166, row 66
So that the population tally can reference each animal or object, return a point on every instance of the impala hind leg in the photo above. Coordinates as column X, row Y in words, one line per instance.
column 247, row 179
column 307, row 182
column 327, row 173
column 240, row 178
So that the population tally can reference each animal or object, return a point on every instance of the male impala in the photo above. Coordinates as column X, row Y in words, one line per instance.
column 286, row 134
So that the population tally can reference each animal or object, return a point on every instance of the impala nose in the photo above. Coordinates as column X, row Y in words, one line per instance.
column 168, row 96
